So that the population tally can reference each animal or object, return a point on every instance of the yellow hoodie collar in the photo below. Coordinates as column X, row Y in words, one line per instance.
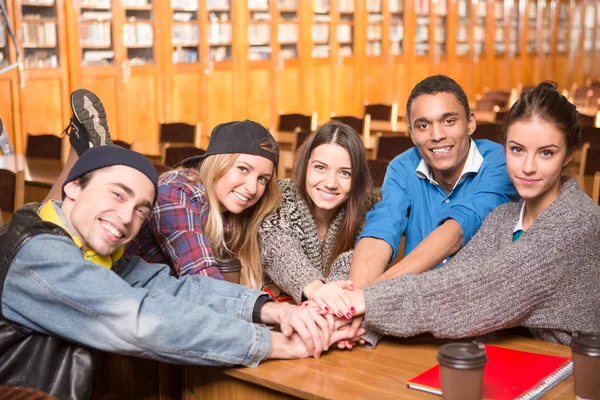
column 49, row 213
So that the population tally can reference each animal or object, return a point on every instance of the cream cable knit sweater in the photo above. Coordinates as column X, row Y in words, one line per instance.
column 547, row 281
column 291, row 253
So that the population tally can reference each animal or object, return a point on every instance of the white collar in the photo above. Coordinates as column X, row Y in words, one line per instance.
column 519, row 225
column 472, row 165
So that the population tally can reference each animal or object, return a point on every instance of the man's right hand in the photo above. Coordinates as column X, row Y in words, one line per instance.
column 283, row 347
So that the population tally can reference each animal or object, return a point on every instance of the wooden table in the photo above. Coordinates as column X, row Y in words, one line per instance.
column 381, row 373
column 40, row 174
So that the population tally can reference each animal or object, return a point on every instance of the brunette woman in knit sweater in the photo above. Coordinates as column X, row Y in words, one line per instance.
column 534, row 263
column 309, row 240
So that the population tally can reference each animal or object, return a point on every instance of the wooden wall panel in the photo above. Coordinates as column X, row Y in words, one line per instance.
column 561, row 71
column 141, row 117
column 400, row 86
column 345, row 90
column 42, row 105
column 289, row 91
column 258, row 96
column 419, row 70
column 184, row 102
column 321, row 91
column 106, row 88
column 378, row 82
column 219, row 99
column 514, row 73
column 9, row 119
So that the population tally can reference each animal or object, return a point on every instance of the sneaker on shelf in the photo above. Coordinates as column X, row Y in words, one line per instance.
column 88, row 127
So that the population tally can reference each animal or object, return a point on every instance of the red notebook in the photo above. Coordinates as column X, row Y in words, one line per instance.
column 509, row 374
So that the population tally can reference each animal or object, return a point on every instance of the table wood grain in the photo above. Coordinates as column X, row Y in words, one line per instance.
column 380, row 373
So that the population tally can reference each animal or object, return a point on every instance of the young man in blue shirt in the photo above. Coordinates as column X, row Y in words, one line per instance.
column 437, row 193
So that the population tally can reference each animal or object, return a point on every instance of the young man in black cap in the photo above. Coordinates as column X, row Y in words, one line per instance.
column 65, row 289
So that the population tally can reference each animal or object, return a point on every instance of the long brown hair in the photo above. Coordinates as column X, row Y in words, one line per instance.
column 243, row 240
column 359, row 200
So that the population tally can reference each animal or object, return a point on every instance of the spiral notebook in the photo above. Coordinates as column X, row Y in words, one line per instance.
column 509, row 374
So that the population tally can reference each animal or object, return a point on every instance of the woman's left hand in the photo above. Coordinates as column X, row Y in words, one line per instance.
column 332, row 297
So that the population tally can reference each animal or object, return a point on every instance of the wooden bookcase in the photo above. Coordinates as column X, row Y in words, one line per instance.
column 212, row 61
column 9, row 82
column 43, row 79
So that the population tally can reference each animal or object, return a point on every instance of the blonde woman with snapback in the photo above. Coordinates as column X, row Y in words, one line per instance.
column 209, row 211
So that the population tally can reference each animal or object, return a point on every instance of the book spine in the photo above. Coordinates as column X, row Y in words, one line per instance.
column 548, row 383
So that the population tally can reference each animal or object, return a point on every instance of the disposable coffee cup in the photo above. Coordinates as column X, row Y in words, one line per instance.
column 461, row 370
column 586, row 365
column 231, row 270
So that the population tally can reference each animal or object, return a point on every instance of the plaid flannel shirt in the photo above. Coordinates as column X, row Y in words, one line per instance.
column 173, row 233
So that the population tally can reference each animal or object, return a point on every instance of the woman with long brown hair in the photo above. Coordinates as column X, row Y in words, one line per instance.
column 210, row 211
column 308, row 241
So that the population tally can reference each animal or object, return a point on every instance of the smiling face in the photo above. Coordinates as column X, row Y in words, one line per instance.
column 441, row 131
column 244, row 183
column 536, row 152
column 328, row 177
column 109, row 211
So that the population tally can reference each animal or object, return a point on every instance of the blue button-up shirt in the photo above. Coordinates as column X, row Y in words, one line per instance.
column 413, row 203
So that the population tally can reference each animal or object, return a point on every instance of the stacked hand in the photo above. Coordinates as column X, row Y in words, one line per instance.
column 341, row 299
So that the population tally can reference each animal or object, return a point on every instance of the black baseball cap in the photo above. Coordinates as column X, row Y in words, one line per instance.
column 234, row 137
column 106, row 156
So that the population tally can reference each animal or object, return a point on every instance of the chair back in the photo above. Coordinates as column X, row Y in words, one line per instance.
column 301, row 137
column 591, row 135
column 379, row 112
column 590, row 161
column 122, row 144
column 488, row 104
column 353, row 122
column 489, row 131
column 377, row 170
column 587, row 120
column 596, row 188
column 175, row 154
column 293, row 122
column 44, row 146
column 501, row 95
column 177, row 132
column 388, row 147
column 12, row 190
column 500, row 116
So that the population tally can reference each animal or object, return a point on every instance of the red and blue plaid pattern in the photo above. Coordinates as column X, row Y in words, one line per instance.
column 173, row 234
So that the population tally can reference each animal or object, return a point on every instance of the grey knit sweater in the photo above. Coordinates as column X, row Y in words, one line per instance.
column 548, row 280
column 291, row 253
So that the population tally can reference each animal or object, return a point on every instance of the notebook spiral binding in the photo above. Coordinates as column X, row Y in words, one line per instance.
column 548, row 383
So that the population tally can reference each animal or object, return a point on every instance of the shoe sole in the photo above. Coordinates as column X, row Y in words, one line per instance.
column 89, row 111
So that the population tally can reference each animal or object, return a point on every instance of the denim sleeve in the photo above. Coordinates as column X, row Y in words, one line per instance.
column 493, row 189
column 388, row 219
column 51, row 289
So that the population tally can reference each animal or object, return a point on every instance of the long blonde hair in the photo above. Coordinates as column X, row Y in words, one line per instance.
column 243, row 239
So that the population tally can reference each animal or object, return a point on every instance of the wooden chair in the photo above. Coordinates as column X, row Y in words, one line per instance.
column 501, row 95
column 12, row 192
column 377, row 170
column 388, row 147
column 581, row 95
column 174, row 155
column 383, row 112
column 44, row 146
column 179, row 132
column 161, row 168
column 295, row 122
column 500, row 115
column 122, row 144
column 286, row 158
column 591, row 135
column 588, row 167
column 485, row 104
column 596, row 188
column 587, row 120
column 489, row 131
column 362, row 126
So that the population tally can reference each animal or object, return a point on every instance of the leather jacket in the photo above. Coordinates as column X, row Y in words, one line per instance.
column 28, row 358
